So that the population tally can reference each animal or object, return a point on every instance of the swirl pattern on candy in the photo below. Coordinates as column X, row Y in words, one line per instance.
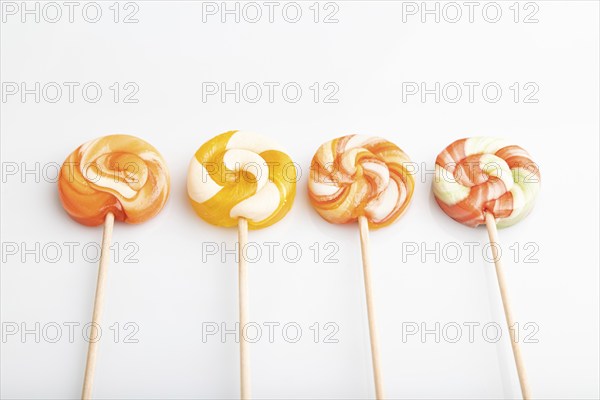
column 241, row 175
column 121, row 174
column 358, row 175
column 482, row 174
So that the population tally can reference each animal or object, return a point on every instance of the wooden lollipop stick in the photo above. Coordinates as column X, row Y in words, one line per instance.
column 90, row 365
column 243, row 305
column 363, row 225
column 490, row 223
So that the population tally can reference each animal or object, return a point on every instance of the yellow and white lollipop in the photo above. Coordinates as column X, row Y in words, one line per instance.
column 244, row 179
column 241, row 175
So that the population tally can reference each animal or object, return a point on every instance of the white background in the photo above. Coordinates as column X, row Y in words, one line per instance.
column 171, row 292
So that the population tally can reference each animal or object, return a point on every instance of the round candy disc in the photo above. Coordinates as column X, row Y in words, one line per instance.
column 241, row 175
column 121, row 174
column 478, row 175
column 358, row 175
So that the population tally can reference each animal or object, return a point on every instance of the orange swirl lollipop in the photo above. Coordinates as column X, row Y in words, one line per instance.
column 367, row 179
column 120, row 174
column 113, row 177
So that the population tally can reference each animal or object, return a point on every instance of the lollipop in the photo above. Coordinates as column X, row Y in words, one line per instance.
column 487, row 180
column 244, row 179
column 113, row 177
column 364, row 179
column 480, row 176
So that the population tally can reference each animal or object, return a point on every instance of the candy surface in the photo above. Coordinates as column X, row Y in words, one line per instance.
column 121, row 174
column 358, row 175
column 241, row 174
column 482, row 174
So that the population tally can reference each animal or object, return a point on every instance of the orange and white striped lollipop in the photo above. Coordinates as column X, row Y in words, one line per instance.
column 357, row 175
column 489, row 180
column 118, row 177
column 365, row 179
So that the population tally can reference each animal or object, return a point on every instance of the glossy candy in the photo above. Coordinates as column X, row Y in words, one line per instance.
column 481, row 174
column 358, row 175
column 121, row 174
column 241, row 174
